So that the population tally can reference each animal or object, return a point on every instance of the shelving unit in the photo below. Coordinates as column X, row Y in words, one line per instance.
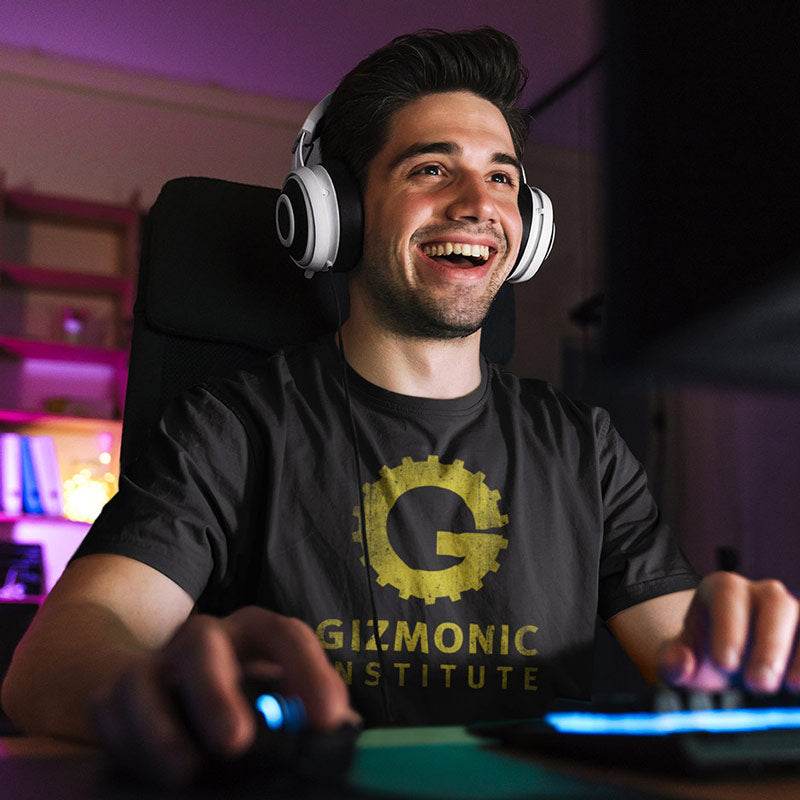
column 64, row 260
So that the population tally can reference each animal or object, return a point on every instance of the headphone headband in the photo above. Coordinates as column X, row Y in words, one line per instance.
column 306, row 138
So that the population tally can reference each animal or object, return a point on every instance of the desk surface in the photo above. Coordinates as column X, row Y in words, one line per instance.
column 410, row 762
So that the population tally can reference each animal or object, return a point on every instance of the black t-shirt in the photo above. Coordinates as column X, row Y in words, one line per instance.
column 498, row 526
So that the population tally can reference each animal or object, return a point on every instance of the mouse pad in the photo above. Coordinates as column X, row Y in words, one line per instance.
column 449, row 762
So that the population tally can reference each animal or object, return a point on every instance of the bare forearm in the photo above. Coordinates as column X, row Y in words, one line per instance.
column 70, row 653
column 642, row 629
column 104, row 613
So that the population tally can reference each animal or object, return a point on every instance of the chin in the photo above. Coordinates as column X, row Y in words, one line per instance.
column 432, row 324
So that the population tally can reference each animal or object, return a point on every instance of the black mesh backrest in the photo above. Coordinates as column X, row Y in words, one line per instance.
column 217, row 292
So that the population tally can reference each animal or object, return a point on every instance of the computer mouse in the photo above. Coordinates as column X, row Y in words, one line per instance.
column 285, row 742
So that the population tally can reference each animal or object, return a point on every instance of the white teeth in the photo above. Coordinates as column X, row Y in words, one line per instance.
column 457, row 248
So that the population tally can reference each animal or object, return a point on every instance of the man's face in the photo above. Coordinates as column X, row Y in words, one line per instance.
column 442, row 225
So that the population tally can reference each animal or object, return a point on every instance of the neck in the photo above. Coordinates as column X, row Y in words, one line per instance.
column 441, row 369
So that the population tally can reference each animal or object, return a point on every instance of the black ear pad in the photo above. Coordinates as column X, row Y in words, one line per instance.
column 538, row 233
column 319, row 217
column 351, row 216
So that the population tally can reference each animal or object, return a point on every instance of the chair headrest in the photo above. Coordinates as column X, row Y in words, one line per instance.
column 213, row 244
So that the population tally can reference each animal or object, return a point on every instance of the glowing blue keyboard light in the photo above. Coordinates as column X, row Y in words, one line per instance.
column 668, row 722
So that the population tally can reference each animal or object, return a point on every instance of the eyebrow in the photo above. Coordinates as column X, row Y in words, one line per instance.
column 449, row 148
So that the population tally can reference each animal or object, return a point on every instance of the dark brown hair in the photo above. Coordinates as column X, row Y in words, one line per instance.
column 485, row 62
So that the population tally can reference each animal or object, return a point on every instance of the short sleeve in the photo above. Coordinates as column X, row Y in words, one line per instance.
column 183, row 505
column 640, row 557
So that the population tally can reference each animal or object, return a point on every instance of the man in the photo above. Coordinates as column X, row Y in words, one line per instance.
column 444, row 558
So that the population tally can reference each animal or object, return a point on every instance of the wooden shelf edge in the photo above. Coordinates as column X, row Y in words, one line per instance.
column 13, row 416
column 60, row 351
column 22, row 202
column 13, row 518
column 36, row 277
column 28, row 599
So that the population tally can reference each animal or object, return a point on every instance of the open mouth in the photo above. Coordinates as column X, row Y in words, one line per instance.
column 458, row 253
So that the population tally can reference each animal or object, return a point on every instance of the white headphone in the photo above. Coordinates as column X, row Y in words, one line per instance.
column 319, row 213
column 538, row 231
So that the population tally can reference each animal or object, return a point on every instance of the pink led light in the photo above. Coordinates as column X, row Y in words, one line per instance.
column 105, row 441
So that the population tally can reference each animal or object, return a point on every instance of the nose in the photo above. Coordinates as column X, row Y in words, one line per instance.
column 472, row 200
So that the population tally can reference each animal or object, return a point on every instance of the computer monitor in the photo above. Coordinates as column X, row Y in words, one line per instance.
column 703, row 201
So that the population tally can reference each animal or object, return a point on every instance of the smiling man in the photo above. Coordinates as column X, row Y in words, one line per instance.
column 442, row 230
column 415, row 537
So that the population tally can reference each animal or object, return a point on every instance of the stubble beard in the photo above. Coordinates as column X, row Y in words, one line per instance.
column 417, row 314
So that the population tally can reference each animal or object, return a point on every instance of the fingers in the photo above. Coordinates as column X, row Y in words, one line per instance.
column 202, row 665
column 727, row 598
column 170, row 710
column 677, row 663
column 792, row 679
column 775, row 617
column 138, row 723
column 293, row 646
column 753, row 628
column 736, row 629
column 166, row 711
column 680, row 666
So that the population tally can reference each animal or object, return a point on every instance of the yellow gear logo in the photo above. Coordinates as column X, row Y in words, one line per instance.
column 478, row 551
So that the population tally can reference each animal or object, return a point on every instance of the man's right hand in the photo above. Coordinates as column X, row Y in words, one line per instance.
column 170, row 710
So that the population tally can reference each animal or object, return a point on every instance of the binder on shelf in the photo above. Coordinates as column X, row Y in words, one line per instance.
column 31, row 503
column 11, row 473
column 46, row 474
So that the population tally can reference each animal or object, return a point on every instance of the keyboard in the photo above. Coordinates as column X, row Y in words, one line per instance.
column 687, row 733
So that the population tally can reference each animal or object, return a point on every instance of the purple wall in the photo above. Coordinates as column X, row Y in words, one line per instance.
column 293, row 50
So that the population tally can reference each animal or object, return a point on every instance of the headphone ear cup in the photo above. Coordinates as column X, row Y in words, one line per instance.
column 306, row 218
column 319, row 218
column 538, row 233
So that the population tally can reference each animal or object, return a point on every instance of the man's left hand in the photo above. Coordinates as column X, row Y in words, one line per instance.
column 736, row 632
